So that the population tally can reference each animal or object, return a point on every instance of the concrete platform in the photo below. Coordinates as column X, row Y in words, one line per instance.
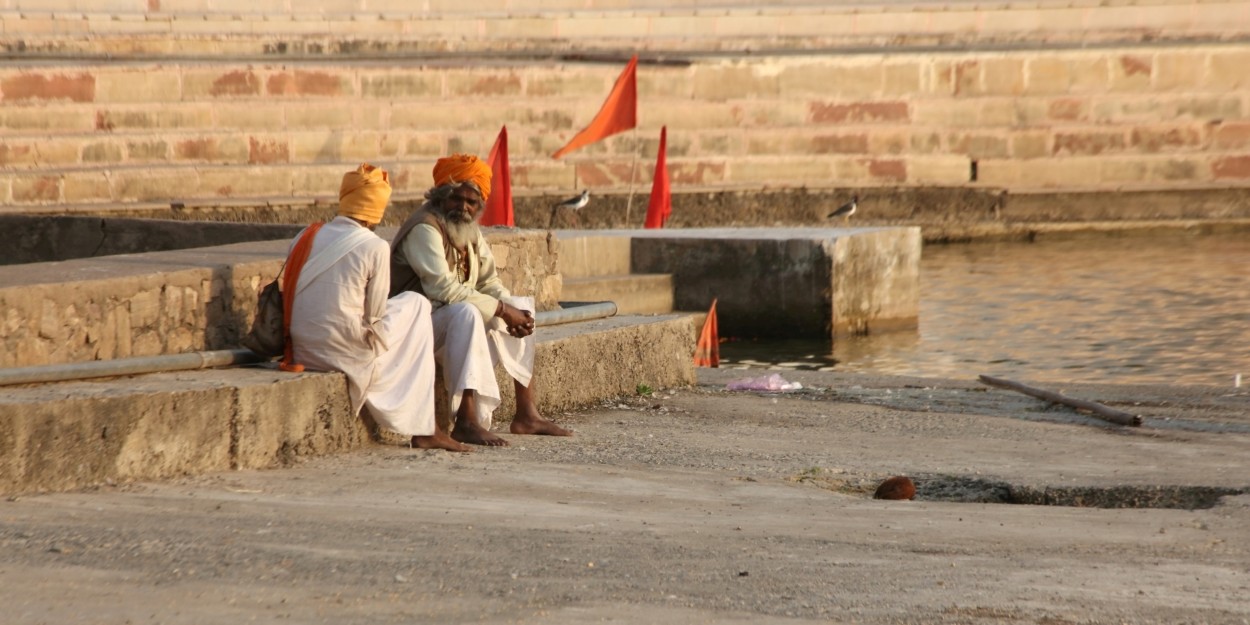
column 76, row 434
column 640, row 293
column 777, row 282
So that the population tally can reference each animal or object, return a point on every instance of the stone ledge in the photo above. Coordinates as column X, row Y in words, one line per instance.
column 72, row 435
column 184, row 300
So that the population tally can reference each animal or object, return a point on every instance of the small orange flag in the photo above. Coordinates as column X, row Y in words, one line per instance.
column 707, row 351
column 498, row 211
column 661, row 205
column 619, row 112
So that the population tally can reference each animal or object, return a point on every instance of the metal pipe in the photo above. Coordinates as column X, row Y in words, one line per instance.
column 126, row 366
column 575, row 311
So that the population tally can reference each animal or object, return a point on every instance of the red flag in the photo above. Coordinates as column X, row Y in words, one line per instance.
column 619, row 112
column 707, row 351
column 661, row 205
column 498, row 211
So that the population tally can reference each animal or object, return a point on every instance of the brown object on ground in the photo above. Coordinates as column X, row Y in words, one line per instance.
column 898, row 487
column 1118, row 417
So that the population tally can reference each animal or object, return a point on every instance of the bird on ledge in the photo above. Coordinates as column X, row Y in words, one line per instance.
column 846, row 210
column 574, row 204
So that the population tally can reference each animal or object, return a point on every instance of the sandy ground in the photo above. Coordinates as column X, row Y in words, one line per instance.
column 689, row 506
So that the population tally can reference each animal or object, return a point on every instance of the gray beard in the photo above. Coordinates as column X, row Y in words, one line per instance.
column 461, row 233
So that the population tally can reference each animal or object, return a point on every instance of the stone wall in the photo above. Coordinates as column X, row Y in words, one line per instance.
column 790, row 282
column 185, row 300
column 1112, row 118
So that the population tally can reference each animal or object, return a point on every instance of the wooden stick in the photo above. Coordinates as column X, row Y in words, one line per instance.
column 1102, row 412
column 633, row 168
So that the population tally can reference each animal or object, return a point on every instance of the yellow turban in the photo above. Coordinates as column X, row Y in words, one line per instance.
column 364, row 193
column 463, row 168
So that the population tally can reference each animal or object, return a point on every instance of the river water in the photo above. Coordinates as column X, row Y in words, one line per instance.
column 1133, row 310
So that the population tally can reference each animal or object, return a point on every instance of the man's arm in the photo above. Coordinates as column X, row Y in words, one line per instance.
column 423, row 248
column 377, row 287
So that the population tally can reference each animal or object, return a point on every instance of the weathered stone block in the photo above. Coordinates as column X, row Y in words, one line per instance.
column 36, row 188
column 281, row 417
column 799, row 270
column 717, row 83
column 1131, row 72
column 310, row 83
column 27, row 86
column 1178, row 71
column 148, row 84
column 483, row 84
column 861, row 78
column 214, row 84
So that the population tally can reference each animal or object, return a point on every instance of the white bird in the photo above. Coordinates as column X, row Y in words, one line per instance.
column 574, row 204
column 846, row 210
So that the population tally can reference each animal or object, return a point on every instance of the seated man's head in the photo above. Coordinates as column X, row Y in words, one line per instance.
column 363, row 194
column 461, row 187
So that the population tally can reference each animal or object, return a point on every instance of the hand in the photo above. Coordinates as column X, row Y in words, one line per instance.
column 520, row 322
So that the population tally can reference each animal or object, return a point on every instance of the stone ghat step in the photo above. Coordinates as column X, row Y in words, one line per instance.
column 73, row 435
column 242, row 27
column 633, row 293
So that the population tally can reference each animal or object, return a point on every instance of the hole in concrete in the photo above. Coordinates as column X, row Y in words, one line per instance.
column 959, row 489
column 972, row 171
column 973, row 490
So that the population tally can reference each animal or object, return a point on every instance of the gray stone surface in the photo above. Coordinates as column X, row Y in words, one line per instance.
column 74, row 434
column 789, row 282
column 185, row 300
column 694, row 506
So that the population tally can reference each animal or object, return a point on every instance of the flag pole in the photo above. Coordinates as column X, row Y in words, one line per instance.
column 633, row 173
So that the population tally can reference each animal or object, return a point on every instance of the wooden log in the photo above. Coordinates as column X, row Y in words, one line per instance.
column 1118, row 417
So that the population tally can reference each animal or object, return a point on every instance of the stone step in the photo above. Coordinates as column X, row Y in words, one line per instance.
column 72, row 435
column 584, row 254
column 633, row 293
column 278, row 27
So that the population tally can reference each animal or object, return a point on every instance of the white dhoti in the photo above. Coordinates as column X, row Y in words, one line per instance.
column 397, row 382
column 469, row 349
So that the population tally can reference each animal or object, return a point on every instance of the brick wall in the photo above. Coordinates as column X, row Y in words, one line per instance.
column 1128, row 117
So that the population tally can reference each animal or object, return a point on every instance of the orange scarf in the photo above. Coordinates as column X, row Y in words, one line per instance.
column 294, row 263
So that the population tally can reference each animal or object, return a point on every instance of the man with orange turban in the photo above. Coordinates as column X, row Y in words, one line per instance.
column 441, row 253
column 342, row 320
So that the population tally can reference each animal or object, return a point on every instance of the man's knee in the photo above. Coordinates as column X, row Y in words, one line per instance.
column 463, row 313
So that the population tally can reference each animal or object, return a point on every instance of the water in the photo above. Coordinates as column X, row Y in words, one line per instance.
column 1136, row 310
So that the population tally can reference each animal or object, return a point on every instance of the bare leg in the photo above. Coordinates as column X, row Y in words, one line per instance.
column 527, row 419
column 439, row 440
column 467, row 429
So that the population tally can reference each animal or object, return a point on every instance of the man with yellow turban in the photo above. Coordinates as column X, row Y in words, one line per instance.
column 440, row 252
column 342, row 320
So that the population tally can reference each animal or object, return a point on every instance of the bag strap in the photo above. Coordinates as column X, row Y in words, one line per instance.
column 294, row 263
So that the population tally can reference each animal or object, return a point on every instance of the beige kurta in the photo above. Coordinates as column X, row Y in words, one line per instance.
column 468, row 345
column 341, row 320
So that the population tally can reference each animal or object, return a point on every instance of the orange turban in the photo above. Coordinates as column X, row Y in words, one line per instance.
column 463, row 168
column 364, row 193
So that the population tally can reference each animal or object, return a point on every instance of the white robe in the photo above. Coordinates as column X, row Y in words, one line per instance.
column 342, row 321
column 468, row 339
column 469, row 351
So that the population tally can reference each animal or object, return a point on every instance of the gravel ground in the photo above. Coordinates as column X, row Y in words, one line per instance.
column 691, row 506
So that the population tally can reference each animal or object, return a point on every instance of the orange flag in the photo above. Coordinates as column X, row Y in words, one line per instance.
column 498, row 211
column 707, row 351
column 619, row 112
column 661, row 205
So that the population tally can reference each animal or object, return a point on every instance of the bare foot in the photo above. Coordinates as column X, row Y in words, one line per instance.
column 439, row 440
column 534, row 424
column 475, row 434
